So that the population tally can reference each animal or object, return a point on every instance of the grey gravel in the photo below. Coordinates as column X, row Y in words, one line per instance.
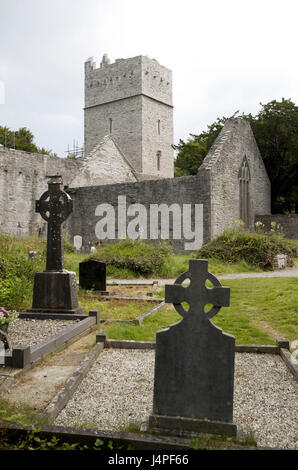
column 118, row 391
column 29, row 332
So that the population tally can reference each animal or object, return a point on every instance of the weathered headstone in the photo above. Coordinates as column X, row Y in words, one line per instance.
column 92, row 276
column 31, row 254
column 78, row 242
column 194, row 363
column 55, row 288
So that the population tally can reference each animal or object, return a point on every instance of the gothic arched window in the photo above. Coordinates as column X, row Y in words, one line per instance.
column 244, row 179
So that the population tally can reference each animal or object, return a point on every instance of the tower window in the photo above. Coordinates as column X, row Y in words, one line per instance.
column 158, row 157
column 111, row 125
column 158, row 126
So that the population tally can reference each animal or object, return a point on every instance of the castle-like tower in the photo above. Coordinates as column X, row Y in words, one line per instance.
column 131, row 100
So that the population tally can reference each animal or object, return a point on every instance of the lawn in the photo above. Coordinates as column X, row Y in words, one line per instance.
column 120, row 309
column 261, row 310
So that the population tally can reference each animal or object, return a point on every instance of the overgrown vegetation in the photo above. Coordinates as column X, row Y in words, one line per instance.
column 135, row 255
column 231, row 253
column 37, row 440
column 258, row 249
column 17, row 271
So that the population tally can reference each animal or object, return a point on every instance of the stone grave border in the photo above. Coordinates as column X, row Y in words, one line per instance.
column 282, row 349
column 102, row 341
column 82, row 436
column 130, row 299
column 139, row 320
column 22, row 357
column 129, row 282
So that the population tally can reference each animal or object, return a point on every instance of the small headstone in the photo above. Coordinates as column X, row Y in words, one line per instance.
column 77, row 241
column 281, row 261
column 92, row 276
column 194, row 362
column 31, row 254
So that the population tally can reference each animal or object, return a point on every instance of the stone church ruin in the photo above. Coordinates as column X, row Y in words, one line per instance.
column 128, row 126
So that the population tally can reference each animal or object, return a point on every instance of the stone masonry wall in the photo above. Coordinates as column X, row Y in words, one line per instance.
column 224, row 159
column 22, row 181
column 127, row 99
column 288, row 223
column 184, row 190
column 126, row 118
column 157, row 137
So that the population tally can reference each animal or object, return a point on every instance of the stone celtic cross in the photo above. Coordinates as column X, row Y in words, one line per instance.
column 197, row 294
column 55, row 288
column 54, row 206
column 194, row 360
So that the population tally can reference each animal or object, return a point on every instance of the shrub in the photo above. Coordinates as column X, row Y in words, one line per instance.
column 135, row 255
column 258, row 249
column 17, row 271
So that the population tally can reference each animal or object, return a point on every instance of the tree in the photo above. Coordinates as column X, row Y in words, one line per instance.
column 22, row 139
column 192, row 153
column 275, row 128
column 276, row 132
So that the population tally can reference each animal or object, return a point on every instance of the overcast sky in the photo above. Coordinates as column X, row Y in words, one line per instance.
column 226, row 55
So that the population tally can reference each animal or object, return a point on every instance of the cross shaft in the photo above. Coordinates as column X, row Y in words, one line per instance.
column 54, row 206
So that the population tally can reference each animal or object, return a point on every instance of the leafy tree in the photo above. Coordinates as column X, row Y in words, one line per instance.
column 275, row 128
column 276, row 132
column 192, row 153
column 22, row 139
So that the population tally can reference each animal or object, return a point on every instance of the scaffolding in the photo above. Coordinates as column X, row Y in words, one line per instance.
column 75, row 151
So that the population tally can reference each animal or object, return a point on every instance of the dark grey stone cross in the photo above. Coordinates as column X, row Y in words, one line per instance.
column 54, row 206
column 197, row 294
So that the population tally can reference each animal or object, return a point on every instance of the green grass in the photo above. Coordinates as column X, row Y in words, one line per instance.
column 119, row 309
column 261, row 309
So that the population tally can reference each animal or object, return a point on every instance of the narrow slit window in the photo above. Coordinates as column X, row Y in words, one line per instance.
column 111, row 125
column 158, row 126
column 244, row 180
column 158, row 158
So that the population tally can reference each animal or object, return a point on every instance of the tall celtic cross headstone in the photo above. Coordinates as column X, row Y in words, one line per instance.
column 54, row 206
column 55, row 288
column 194, row 362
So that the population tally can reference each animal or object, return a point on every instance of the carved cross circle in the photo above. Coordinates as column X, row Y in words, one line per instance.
column 197, row 294
column 59, row 209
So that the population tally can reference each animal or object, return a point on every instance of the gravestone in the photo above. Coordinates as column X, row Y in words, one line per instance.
column 92, row 276
column 55, row 288
column 78, row 242
column 194, row 362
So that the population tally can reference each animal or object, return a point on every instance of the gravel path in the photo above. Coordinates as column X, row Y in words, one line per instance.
column 30, row 332
column 289, row 272
column 119, row 390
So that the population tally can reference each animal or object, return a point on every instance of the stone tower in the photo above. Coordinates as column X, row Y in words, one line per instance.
column 131, row 100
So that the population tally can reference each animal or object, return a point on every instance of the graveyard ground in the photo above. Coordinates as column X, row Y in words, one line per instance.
column 262, row 309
